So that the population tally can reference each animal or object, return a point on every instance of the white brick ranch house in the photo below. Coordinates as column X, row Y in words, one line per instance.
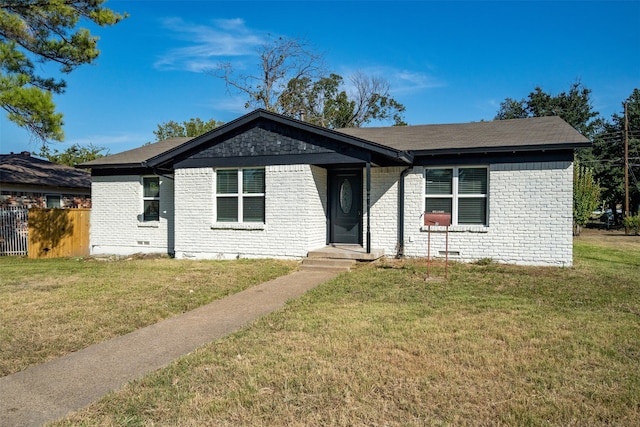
column 265, row 185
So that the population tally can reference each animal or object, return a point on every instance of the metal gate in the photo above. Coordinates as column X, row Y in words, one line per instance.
column 14, row 231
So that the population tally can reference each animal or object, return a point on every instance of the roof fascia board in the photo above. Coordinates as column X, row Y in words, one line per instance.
column 37, row 188
column 114, row 166
column 491, row 158
column 503, row 149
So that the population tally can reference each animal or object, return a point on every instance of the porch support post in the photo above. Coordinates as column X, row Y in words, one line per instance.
column 368, row 206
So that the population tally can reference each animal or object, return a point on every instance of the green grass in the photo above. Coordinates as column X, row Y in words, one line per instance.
column 51, row 307
column 493, row 345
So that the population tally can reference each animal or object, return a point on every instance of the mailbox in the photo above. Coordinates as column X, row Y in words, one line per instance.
column 442, row 219
column 437, row 219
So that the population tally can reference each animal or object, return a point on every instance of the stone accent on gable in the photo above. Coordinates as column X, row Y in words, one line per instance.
column 264, row 142
column 272, row 139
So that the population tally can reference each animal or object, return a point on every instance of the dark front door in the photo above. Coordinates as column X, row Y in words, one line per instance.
column 345, row 206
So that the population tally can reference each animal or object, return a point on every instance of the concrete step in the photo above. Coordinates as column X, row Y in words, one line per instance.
column 346, row 252
column 327, row 264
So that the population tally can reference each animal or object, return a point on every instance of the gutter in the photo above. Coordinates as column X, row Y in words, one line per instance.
column 400, row 245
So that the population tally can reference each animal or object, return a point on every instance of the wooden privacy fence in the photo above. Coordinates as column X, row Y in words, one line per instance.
column 14, row 230
column 44, row 233
column 58, row 232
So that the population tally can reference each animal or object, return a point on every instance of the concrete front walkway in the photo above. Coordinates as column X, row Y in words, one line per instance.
column 47, row 392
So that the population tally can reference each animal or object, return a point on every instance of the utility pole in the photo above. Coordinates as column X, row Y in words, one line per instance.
column 626, row 166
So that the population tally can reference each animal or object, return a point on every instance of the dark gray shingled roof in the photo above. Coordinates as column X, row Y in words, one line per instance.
column 27, row 170
column 137, row 156
column 539, row 133
column 507, row 134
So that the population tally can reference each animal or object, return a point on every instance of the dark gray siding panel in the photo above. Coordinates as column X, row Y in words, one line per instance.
column 272, row 143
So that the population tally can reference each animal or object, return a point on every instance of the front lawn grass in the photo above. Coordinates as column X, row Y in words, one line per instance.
column 51, row 307
column 493, row 345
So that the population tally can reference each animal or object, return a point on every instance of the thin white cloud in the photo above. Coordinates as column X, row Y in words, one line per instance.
column 110, row 140
column 401, row 81
column 409, row 81
column 207, row 44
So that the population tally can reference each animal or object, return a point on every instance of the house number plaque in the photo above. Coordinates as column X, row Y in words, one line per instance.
column 346, row 196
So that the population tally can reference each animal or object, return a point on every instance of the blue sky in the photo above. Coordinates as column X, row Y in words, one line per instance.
column 447, row 62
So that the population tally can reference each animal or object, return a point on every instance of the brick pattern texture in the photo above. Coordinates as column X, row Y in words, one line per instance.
column 529, row 218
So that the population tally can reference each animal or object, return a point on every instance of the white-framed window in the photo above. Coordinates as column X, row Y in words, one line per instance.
column 53, row 201
column 150, row 198
column 240, row 195
column 459, row 191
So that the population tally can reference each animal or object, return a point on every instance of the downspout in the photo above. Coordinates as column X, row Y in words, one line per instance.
column 400, row 245
column 368, row 207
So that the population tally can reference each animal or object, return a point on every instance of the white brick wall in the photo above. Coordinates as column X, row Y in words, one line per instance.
column 384, row 209
column 116, row 217
column 530, row 217
column 295, row 205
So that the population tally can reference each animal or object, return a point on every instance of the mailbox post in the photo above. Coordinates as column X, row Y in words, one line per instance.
column 435, row 219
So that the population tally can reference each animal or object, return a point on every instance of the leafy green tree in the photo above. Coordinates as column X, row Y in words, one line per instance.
column 73, row 155
column 290, row 79
column 45, row 32
column 323, row 102
column 573, row 106
column 608, row 151
column 512, row 109
column 190, row 128
column 586, row 196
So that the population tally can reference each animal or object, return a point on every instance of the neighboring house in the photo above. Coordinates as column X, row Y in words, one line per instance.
column 35, row 183
column 269, row 186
